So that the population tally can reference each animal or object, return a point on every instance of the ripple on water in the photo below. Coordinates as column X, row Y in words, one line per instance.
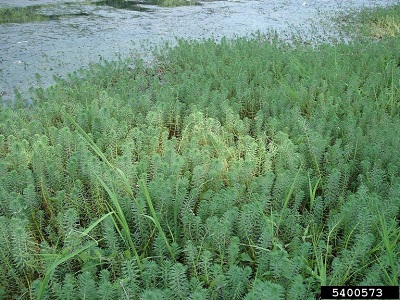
column 81, row 32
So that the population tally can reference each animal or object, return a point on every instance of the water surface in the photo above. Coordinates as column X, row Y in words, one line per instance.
column 81, row 32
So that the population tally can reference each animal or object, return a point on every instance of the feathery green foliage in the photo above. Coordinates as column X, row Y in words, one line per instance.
column 243, row 169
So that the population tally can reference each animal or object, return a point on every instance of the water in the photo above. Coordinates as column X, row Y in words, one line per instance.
column 81, row 33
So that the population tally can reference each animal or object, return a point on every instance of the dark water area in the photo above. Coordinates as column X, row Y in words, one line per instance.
column 79, row 33
column 129, row 5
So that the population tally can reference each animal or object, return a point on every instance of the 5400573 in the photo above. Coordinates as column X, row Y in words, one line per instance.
column 360, row 292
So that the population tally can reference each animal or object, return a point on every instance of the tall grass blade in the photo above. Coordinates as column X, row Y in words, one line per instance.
column 285, row 204
column 390, row 240
column 312, row 190
column 154, row 217
column 122, row 222
column 65, row 257
column 58, row 262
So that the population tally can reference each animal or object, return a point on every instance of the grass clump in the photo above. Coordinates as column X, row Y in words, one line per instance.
column 234, row 170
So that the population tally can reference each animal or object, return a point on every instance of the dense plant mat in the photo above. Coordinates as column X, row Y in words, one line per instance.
column 245, row 169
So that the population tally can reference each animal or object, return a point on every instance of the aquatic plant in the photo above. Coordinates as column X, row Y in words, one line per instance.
column 134, row 5
column 22, row 15
column 171, row 3
column 230, row 170
column 383, row 22
column 121, row 4
column 377, row 23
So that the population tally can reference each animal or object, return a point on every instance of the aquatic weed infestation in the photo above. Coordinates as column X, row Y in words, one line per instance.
column 244, row 169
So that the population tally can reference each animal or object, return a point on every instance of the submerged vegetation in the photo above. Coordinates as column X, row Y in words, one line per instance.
column 171, row 3
column 33, row 13
column 245, row 169
column 136, row 5
column 22, row 15
column 128, row 5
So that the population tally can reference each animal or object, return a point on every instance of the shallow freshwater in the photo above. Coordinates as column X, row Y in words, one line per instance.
column 83, row 33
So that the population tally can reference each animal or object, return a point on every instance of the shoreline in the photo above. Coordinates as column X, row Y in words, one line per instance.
column 58, row 47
